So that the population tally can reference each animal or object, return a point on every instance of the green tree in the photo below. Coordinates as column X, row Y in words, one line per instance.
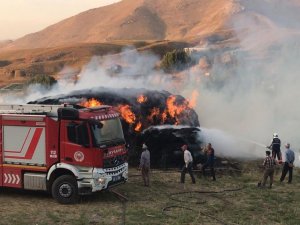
column 176, row 60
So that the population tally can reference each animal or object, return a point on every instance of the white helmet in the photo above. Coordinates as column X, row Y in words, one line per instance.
column 275, row 135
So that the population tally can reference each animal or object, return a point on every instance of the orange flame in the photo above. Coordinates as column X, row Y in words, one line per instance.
column 138, row 127
column 141, row 99
column 164, row 117
column 126, row 113
column 91, row 103
column 154, row 112
column 174, row 109
column 193, row 100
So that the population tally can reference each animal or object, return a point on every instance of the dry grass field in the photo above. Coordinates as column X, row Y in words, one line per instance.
column 232, row 199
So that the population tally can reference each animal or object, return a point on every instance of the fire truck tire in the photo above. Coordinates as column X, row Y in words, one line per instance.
column 65, row 190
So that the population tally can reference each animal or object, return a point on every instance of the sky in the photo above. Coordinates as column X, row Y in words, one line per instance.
column 21, row 17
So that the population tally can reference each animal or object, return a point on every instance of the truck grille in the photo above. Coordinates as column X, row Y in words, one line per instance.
column 115, row 161
column 115, row 171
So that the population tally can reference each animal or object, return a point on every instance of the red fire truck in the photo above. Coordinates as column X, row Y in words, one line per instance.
column 66, row 150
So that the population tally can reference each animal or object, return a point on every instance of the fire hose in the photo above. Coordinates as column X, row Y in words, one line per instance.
column 187, row 208
column 171, row 196
column 123, row 200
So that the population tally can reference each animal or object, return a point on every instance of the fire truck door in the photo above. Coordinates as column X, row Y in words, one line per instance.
column 76, row 147
column 1, row 156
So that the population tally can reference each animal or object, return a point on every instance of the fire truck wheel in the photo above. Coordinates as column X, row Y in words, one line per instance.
column 64, row 189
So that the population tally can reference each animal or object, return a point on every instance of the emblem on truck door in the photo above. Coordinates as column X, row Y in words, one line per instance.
column 79, row 156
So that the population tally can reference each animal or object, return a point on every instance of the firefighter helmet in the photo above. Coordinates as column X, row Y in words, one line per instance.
column 275, row 135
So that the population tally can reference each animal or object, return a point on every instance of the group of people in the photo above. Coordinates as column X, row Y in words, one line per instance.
column 187, row 167
column 270, row 162
column 188, row 163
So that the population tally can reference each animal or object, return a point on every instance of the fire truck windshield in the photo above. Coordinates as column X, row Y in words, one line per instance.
column 107, row 131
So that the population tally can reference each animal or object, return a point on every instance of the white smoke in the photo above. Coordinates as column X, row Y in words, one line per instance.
column 259, row 97
column 137, row 72
column 251, row 92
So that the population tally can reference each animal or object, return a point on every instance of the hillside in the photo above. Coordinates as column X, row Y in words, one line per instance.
column 134, row 20
column 158, row 26
column 19, row 65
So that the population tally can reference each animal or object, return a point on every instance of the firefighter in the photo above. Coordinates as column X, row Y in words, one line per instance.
column 275, row 147
column 145, row 165
column 188, row 164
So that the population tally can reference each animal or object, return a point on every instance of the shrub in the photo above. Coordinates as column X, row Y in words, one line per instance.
column 176, row 60
column 44, row 80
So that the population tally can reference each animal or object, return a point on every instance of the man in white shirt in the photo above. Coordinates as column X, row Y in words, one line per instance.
column 188, row 164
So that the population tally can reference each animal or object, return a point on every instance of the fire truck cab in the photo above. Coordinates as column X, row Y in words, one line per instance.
column 66, row 150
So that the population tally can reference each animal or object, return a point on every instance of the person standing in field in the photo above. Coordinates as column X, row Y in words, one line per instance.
column 145, row 165
column 210, row 153
column 288, row 163
column 188, row 164
column 269, row 164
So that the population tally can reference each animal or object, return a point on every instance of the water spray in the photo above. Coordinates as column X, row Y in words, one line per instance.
column 254, row 142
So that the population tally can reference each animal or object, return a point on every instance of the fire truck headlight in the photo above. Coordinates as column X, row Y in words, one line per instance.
column 101, row 180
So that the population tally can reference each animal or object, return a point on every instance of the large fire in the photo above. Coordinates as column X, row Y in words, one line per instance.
column 125, row 110
column 91, row 103
column 126, row 113
column 172, row 109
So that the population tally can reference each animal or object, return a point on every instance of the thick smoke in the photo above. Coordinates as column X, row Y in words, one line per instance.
column 246, row 92
column 259, row 96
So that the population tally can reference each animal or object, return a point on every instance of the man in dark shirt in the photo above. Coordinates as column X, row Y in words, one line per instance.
column 210, row 153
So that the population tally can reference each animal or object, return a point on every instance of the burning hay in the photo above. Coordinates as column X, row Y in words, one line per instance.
column 141, row 109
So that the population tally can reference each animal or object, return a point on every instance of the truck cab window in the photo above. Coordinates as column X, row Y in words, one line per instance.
column 78, row 133
column 107, row 132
